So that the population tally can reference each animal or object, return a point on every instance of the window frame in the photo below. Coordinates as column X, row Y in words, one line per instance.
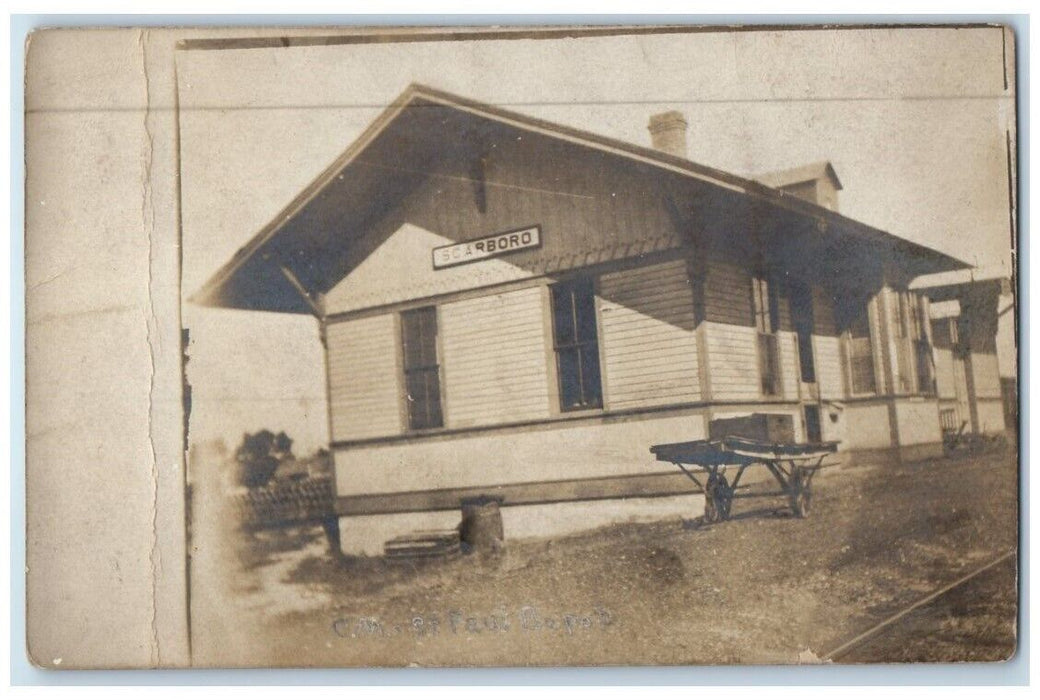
column 432, row 420
column 850, row 373
column 591, row 394
column 765, row 313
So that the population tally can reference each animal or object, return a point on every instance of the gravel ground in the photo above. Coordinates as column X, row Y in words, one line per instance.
column 762, row 588
column 973, row 622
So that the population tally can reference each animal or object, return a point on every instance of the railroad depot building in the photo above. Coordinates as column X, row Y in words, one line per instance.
column 519, row 310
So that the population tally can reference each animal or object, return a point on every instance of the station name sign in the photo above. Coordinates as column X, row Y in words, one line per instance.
column 486, row 247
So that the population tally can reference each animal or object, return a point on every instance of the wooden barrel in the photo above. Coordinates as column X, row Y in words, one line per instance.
column 481, row 527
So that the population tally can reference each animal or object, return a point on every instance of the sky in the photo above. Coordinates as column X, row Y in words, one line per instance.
column 914, row 122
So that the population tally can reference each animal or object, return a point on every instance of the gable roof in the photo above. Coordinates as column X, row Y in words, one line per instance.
column 287, row 260
column 803, row 173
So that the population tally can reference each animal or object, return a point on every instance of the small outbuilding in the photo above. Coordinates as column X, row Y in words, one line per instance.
column 517, row 310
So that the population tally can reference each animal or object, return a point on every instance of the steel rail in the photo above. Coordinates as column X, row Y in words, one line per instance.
column 859, row 639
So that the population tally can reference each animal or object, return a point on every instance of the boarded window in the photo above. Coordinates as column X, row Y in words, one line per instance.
column 576, row 345
column 861, row 354
column 766, row 307
column 421, row 369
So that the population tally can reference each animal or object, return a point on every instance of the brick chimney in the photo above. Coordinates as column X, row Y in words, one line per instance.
column 668, row 133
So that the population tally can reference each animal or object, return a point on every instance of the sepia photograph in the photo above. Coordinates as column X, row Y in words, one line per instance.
column 654, row 348
column 596, row 346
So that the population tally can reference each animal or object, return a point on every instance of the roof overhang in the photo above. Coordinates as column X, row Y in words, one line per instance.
column 298, row 254
column 955, row 284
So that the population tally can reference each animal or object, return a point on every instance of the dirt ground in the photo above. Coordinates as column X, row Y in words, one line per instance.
column 764, row 587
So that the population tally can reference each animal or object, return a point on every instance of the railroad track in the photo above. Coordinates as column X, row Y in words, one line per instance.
column 843, row 650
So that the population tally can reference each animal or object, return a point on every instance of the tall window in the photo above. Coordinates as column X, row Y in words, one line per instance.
column 766, row 307
column 922, row 347
column 913, row 351
column 862, row 378
column 576, row 345
column 421, row 370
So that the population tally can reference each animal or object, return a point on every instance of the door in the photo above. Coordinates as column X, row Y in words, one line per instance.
column 802, row 319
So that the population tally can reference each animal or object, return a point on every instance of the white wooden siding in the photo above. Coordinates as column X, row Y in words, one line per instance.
column 648, row 336
column 494, row 363
column 731, row 338
column 727, row 294
column 363, row 378
column 733, row 359
column 986, row 375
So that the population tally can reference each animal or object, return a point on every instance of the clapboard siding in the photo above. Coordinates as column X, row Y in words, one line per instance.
column 732, row 341
column 363, row 378
column 727, row 294
column 733, row 361
column 986, row 375
column 495, row 359
column 592, row 208
column 649, row 343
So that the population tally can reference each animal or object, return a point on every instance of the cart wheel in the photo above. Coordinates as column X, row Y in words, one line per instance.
column 802, row 503
column 711, row 511
column 724, row 496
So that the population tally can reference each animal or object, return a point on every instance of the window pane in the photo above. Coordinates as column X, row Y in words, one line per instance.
column 424, row 401
column 591, row 387
column 422, row 373
column 433, row 398
column 419, row 331
column 563, row 315
column 585, row 311
column 428, row 346
column 575, row 338
column 416, row 399
column 411, row 332
column 569, row 367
